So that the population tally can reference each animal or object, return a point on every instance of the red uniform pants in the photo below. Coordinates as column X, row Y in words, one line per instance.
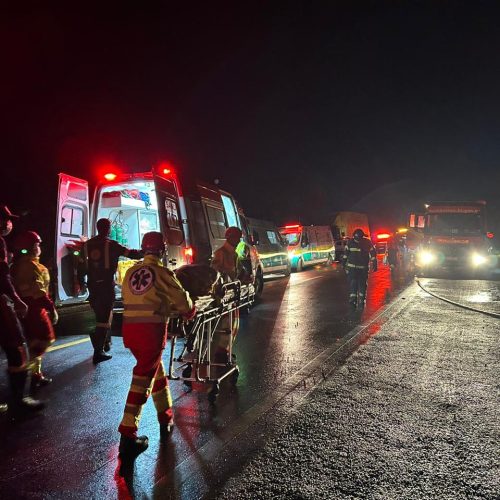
column 146, row 341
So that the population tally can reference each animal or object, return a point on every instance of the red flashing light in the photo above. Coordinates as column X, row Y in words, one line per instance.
column 383, row 236
column 292, row 226
column 110, row 176
column 490, row 235
column 165, row 168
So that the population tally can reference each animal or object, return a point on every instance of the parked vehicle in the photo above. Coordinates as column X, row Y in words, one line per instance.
column 271, row 247
column 455, row 237
column 192, row 215
column 343, row 226
column 308, row 245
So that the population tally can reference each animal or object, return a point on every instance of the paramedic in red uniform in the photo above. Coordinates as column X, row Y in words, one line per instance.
column 32, row 281
column 151, row 295
column 100, row 259
column 359, row 253
column 11, row 334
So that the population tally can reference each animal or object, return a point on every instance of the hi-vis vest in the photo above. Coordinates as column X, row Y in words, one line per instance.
column 357, row 254
column 152, row 294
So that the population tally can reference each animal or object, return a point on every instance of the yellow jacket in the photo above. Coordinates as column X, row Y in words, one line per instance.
column 32, row 280
column 225, row 261
column 152, row 294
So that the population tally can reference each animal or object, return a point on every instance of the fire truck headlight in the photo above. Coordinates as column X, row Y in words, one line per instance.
column 478, row 259
column 425, row 257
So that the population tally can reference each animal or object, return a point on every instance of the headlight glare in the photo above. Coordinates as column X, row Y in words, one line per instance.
column 426, row 257
column 478, row 259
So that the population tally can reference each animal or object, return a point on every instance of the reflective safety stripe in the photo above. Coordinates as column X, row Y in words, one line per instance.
column 357, row 267
column 373, row 258
column 353, row 295
column 103, row 325
column 355, row 249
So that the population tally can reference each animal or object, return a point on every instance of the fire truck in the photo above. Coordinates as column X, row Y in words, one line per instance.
column 192, row 215
column 454, row 237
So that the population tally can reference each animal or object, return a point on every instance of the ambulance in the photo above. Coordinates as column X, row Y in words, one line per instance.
column 308, row 245
column 192, row 215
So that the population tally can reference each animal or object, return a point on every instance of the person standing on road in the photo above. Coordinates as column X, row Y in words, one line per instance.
column 12, row 339
column 359, row 253
column 227, row 262
column 32, row 281
column 100, row 261
column 151, row 295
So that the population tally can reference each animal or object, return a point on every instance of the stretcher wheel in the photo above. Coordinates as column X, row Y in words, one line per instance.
column 212, row 395
column 186, row 373
column 234, row 376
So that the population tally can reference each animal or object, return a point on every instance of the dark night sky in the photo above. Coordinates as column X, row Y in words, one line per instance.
column 300, row 109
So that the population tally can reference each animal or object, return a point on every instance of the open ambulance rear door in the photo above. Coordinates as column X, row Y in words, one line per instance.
column 72, row 229
column 170, row 219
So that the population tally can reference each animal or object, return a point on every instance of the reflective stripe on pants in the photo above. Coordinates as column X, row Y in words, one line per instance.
column 146, row 341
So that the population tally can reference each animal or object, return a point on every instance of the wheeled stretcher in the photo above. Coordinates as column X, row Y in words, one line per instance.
column 195, row 362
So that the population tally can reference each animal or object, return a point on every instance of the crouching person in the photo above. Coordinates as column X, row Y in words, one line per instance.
column 151, row 295
column 32, row 280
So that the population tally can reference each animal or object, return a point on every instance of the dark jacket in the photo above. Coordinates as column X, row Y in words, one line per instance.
column 358, row 254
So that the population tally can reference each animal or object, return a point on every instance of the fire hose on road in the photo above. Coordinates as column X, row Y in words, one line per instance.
column 457, row 304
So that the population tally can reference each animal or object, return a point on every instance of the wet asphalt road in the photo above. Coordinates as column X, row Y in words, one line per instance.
column 414, row 413
column 286, row 346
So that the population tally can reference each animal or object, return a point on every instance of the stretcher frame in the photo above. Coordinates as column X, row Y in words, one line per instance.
column 196, row 353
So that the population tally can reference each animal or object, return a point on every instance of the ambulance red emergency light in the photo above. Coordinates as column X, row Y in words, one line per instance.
column 192, row 215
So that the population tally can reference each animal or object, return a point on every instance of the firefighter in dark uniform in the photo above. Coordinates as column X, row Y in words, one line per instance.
column 12, row 339
column 358, row 254
column 100, row 261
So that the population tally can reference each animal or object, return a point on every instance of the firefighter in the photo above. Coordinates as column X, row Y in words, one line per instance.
column 227, row 262
column 225, row 259
column 32, row 281
column 392, row 255
column 151, row 295
column 359, row 253
column 100, row 261
column 11, row 334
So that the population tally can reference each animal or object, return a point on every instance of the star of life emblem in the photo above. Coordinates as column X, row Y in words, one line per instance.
column 141, row 280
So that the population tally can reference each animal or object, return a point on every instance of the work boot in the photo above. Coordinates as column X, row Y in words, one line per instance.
column 107, row 346
column 100, row 356
column 39, row 380
column 25, row 407
column 132, row 447
column 166, row 430
column 19, row 404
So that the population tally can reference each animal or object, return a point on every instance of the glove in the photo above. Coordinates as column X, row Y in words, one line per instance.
column 55, row 317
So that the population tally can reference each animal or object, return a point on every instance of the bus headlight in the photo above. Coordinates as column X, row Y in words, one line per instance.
column 478, row 259
column 425, row 257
